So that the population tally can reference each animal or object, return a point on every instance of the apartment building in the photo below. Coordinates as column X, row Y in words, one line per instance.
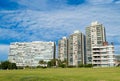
column 30, row 53
column 95, row 36
column 103, row 56
column 76, row 49
column 63, row 49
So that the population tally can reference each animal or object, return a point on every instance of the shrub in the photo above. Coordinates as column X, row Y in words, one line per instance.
column 81, row 65
column 63, row 65
column 71, row 66
column 88, row 65
column 118, row 65
column 0, row 66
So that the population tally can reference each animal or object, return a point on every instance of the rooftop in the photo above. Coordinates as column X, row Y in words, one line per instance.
column 95, row 23
column 77, row 31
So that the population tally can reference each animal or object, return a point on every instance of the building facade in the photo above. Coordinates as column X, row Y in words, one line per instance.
column 76, row 49
column 63, row 49
column 103, row 56
column 95, row 36
column 30, row 53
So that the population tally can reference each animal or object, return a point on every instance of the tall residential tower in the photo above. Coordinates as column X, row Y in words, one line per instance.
column 76, row 49
column 95, row 36
column 63, row 49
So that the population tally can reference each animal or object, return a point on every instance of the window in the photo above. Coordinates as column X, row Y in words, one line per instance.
column 71, row 60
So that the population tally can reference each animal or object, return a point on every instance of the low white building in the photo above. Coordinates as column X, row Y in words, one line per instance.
column 103, row 56
column 30, row 53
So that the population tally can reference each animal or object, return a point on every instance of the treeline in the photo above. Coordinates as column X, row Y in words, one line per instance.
column 54, row 63
column 7, row 65
column 62, row 64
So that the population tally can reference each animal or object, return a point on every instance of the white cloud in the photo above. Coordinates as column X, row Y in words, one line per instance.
column 4, row 50
column 31, row 25
column 99, row 1
column 39, row 25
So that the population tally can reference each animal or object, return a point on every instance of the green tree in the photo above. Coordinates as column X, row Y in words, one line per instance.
column 52, row 63
column 0, row 66
column 8, row 65
column 12, row 66
column 5, row 64
column 42, row 63
column 81, row 65
column 62, row 64
column 49, row 64
column 88, row 65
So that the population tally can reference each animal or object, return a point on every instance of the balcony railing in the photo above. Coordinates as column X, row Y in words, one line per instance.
column 96, row 62
column 96, row 58
column 96, row 55
column 104, row 62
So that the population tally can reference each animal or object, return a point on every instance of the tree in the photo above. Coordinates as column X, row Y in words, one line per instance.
column 5, row 64
column 0, row 66
column 62, row 64
column 81, row 65
column 42, row 63
column 49, row 64
column 8, row 65
column 88, row 65
column 12, row 66
column 52, row 63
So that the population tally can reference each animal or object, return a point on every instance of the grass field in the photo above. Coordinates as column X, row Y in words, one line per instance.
column 61, row 74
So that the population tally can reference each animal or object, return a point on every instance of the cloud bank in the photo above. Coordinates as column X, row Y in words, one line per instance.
column 42, row 20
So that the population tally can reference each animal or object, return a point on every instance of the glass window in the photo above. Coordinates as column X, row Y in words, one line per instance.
column 71, row 60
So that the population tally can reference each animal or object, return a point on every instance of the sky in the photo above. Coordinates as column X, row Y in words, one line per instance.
column 50, row 20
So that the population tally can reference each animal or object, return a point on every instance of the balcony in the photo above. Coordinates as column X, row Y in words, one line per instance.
column 104, row 58
column 111, row 50
column 95, row 50
column 104, row 62
column 96, row 55
column 96, row 62
column 111, row 58
column 111, row 62
column 96, row 58
column 103, row 50
column 104, row 54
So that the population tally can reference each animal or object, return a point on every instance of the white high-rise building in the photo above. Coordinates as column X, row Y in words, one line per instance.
column 76, row 48
column 30, row 53
column 103, row 56
column 95, row 35
column 63, row 49
column 99, row 52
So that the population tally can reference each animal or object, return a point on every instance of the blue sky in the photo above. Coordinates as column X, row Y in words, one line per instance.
column 49, row 20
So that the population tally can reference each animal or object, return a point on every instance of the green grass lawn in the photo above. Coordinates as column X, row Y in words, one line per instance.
column 61, row 74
